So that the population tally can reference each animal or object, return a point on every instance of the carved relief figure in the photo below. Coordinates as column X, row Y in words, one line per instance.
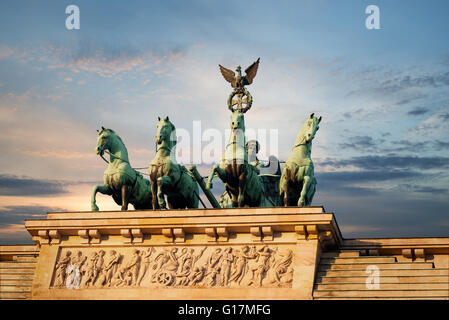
column 133, row 267
column 167, row 266
column 261, row 266
column 280, row 272
column 240, row 265
column 73, row 273
column 118, row 279
column 90, row 270
column 111, row 267
column 78, row 260
column 226, row 263
column 186, row 266
column 211, row 276
column 196, row 276
column 175, row 266
column 61, row 267
column 146, row 263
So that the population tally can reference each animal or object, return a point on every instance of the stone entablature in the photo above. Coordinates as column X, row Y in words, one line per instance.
column 205, row 254
column 247, row 253
column 187, row 226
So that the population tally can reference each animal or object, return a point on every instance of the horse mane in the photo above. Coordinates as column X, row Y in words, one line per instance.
column 301, row 132
column 115, row 134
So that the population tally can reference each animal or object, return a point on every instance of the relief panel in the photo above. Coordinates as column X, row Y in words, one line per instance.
column 201, row 267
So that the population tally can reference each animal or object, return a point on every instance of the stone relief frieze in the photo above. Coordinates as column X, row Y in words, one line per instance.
column 202, row 267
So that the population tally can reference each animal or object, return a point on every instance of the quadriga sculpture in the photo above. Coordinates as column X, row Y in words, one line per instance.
column 167, row 176
column 241, row 179
column 125, row 184
column 297, row 185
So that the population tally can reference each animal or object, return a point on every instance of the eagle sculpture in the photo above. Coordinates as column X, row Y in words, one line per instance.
column 238, row 82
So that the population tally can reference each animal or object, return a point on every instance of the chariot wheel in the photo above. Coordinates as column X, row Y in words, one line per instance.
column 165, row 278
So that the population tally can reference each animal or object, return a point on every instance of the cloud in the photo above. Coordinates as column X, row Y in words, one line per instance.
column 428, row 189
column 110, row 60
column 12, row 221
column 394, row 85
column 5, row 51
column 368, row 144
column 441, row 144
column 18, row 214
column 418, row 111
column 362, row 183
column 362, row 143
column 387, row 213
column 11, row 185
column 390, row 162
column 59, row 153
column 434, row 126
column 365, row 176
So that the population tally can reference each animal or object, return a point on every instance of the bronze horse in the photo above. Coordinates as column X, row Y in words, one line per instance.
column 167, row 176
column 297, row 185
column 241, row 179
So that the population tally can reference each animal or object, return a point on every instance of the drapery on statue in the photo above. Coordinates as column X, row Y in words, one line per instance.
column 167, row 176
column 125, row 184
column 297, row 185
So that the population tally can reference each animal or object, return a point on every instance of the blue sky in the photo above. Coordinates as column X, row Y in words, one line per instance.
column 382, row 152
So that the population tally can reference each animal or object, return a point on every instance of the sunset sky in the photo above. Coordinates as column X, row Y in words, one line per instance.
column 382, row 152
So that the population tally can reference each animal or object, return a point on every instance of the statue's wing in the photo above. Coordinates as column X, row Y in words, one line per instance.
column 229, row 75
column 251, row 72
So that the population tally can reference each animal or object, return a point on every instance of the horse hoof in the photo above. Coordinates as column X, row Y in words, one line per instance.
column 94, row 207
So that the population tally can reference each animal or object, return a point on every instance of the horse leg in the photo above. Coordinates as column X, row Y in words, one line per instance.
column 124, row 198
column 161, row 182
column 242, row 187
column 305, row 188
column 154, row 195
column 311, row 192
column 283, row 187
column 221, row 174
column 211, row 177
column 103, row 190
column 286, row 193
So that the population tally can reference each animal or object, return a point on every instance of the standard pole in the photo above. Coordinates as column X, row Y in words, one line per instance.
column 200, row 181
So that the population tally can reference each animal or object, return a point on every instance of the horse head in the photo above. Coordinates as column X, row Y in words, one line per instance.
column 310, row 127
column 104, row 140
column 166, row 131
column 237, row 120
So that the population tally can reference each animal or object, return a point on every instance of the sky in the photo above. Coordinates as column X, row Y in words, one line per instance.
column 382, row 152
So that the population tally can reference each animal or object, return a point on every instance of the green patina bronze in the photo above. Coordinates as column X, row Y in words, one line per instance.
column 297, row 185
column 206, row 191
column 269, row 175
column 241, row 179
column 248, row 181
column 167, row 176
column 125, row 184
